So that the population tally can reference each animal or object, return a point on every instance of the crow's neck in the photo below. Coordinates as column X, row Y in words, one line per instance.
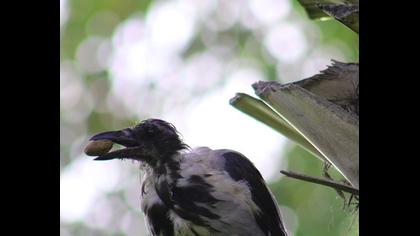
column 168, row 167
column 166, row 176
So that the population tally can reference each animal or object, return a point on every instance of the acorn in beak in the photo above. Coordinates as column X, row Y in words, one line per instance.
column 101, row 144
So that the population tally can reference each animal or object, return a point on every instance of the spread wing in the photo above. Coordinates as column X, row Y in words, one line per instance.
column 240, row 168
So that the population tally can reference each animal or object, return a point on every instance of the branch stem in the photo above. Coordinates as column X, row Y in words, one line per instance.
column 322, row 181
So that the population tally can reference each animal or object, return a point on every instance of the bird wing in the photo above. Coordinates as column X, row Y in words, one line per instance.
column 240, row 168
column 197, row 198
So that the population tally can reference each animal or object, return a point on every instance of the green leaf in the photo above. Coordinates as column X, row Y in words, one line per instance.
column 332, row 130
column 347, row 14
column 263, row 113
column 313, row 10
column 344, row 11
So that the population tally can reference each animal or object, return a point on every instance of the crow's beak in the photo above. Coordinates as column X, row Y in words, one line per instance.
column 124, row 137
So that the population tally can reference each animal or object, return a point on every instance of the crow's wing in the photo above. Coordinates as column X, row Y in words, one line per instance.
column 240, row 168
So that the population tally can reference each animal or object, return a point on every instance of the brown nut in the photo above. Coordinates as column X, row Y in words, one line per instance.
column 98, row 147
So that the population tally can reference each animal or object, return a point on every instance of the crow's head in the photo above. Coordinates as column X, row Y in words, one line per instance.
column 152, row 140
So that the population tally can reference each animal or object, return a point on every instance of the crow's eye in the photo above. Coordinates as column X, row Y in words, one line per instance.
column 150, row 131
column 142, row 131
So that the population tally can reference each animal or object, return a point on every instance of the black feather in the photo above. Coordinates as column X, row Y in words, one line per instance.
column 186, row 199
column 183, row 200
column 160, row 224
column 240, row 168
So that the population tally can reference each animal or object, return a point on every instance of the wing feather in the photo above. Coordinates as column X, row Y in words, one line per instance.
column 240, row 168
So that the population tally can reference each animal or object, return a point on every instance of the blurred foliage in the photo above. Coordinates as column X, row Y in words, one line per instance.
column 333, row 30
column 319, row 210
column 81, row 23
column 89, row 105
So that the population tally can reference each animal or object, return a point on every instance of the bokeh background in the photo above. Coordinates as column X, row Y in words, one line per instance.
column 182, row 60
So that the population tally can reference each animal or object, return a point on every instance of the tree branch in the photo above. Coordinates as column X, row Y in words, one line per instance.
column 325, row 182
